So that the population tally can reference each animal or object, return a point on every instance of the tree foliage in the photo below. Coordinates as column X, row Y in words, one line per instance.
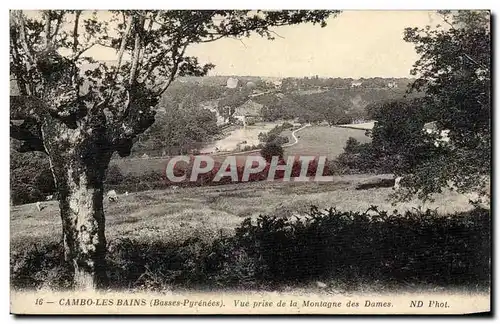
column 439, row 135
column 81, row 111
column 271, row 149
column 151, row 53
column 454, row 73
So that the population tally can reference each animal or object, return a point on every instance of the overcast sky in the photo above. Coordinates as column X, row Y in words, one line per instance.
column 354, row 44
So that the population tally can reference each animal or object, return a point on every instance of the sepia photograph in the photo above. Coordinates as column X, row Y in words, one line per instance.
column 250, row 162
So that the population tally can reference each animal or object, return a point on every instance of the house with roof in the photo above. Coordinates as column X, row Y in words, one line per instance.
column 248, row 110
column 392, row 85
column 232, row 83
column 442, row 135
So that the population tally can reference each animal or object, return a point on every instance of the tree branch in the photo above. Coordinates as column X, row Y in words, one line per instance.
column 157, row 61
column 124, row 43
column 58, row 25
column 177, row 60
column 22, row 37
column 47, row 28
column 212, row 39
column 18, row 70
column 275, row 33
column 75, row 30
column 83, row 50
column 138, row 25
column 148, row 30
column 465, row 54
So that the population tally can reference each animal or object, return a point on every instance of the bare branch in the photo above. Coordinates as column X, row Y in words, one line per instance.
column 139, row 23
column 75, row 30
column 47, row 28
column 474, row 61
column 58, row 25
column 176, row 61
column 83, row 50
column 124, row 42
column 212, row 39
column 275, row 33
column 241, row 41
column 22, row 37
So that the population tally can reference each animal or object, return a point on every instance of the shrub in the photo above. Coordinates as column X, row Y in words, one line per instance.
column 35, row 265
column 360, row 158
column 271, row 149
column 114, row 175
column 416, row 247
column 30, row 177
column 273, row 136
column 139, row 182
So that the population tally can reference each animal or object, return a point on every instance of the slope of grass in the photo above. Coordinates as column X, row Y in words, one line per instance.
column 208, row 212
column 327, row 141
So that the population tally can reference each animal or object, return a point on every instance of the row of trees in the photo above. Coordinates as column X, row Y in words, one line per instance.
column 294, row 84
column 339, row 106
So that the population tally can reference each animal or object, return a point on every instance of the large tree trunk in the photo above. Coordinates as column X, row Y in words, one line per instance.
column 79, row 160
column 82, row 215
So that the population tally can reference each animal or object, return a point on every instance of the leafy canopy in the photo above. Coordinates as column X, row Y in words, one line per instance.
column 55, row 75
column 453, row 72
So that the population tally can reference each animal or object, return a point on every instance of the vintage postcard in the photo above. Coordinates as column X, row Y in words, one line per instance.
column 250, row 162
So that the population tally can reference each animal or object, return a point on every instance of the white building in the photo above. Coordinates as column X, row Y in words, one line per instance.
column 277, row 83
column 392, row 85
column 443, row 137
column 232, row 83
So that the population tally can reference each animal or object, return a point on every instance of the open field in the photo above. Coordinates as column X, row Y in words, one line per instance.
column 363, row 126
column 208, row 212
column 328, row 141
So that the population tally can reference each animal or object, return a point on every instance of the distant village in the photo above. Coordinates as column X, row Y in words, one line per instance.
column 251, row 111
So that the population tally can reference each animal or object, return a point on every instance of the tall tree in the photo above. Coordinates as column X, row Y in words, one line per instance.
column 454, row 73
column 80, row 111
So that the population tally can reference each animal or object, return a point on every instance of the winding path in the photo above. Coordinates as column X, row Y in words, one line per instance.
column 296, row 140
column 295, row 137
column 258, row 150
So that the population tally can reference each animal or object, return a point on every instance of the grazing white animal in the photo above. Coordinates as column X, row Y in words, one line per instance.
column 397, row 182
column 174, row 188
column 321, row 284
column 126, row 193
column 49, row 197
column 112, row 196
column 39, row 206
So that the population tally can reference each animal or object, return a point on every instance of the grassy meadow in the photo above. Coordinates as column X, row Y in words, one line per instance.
column 312, row 141
column 206, row 212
